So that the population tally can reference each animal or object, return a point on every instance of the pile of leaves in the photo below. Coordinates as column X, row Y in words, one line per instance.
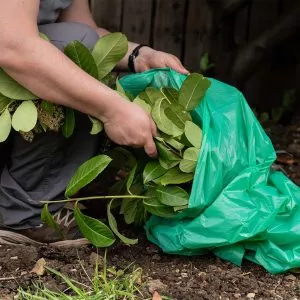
column 159, row 186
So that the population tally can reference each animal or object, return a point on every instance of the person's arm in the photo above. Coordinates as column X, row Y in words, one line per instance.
column 49, row 74
column 149, row 58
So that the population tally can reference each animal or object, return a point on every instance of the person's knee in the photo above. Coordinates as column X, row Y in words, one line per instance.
column 62, row 34
column 89, row 35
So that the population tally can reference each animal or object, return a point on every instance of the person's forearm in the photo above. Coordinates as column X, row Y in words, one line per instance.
column 50, row 75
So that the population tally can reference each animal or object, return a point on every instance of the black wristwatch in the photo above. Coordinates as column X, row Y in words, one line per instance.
column 133, row 56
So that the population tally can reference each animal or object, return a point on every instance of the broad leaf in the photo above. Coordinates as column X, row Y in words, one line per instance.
column 108, row 51
column 174, row 144
column 5, row 125
column 172, row 196
column 155, row 207
column 25, row 117
column 192, row 91
column 171, row 94
column 86, row 173
column 48, row 107
column 114, row 227
column 82, row 57
column 96, row 232
column 152, row 171
column 69, row 123
column 119, row 88
column 97, row 126
column 162, row 121
column 130, row 179
column 4, row 103
column 13, row 90
column 178, row 115
column 145, row 106
column 151, row 95
column 189, row 162
column 48, row 219
column 175, row 176
column 167, row 157
column 193, row 133
column 129, row 209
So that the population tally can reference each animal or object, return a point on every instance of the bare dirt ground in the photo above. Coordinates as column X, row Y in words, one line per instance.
column 203, row 277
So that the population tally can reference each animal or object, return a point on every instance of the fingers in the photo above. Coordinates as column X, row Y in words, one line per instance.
column 153, row 128
column 150, row 148
column 176, row 64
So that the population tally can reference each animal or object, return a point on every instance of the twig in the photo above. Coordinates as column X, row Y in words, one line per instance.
column 8, row 278
column 95, row 198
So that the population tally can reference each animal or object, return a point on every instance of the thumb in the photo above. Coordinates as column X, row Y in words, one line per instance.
column 150, row 148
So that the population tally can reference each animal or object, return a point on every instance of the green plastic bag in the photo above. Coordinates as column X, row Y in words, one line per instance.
column 239, row 208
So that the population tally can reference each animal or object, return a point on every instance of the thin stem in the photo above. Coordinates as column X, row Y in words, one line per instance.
column 96, row 197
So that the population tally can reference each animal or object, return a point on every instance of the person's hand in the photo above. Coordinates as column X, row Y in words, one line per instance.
column 149, row 58
column 128, row 124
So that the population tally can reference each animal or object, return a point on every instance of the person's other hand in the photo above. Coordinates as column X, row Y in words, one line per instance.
column 128, row 124
column 149, row 58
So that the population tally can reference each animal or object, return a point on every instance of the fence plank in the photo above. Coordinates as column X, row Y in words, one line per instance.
column 264, row 13
column 197, row 33
column 169, row 26
column 107, row 13
column 137, row 20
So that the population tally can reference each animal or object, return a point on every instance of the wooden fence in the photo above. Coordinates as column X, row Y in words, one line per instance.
column 222, row 28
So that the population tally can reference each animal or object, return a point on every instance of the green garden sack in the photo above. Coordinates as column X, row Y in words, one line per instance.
column 239, row 208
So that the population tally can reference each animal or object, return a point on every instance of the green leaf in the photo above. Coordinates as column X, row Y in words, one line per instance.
column 155, row 207
column 96, row 232
column 175, row 176
column 192, row 91
column 190, row 158
column 69, row 123
column 130, row 179
column 171, row 94
column 114, row 227
column 4, row 103
column 178, row 115
column 162, row 121
column 13, row 90
column 152, row 171
column 48, row 107
column 174, row 144
column 25, row 117
column 172, row 196
column 97, row 126
column 145, row 106
column 82, row 57
column 129, row 209
column 193, row 133
column 44, row 36
column 5, row 125
column 167, row 157
column 108, row 51
column 151, row 95
column 48, row 219
column 86, row 173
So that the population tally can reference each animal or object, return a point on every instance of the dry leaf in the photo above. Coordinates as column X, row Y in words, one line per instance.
column 156, row 296
column 39, row 268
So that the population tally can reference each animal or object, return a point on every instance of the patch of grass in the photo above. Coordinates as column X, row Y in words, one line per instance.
column 105, row 285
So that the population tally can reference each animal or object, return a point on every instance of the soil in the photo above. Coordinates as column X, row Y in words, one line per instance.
column 202, row 277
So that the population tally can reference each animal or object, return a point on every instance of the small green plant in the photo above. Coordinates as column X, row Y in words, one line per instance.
column 106, row 284
column 160, row 187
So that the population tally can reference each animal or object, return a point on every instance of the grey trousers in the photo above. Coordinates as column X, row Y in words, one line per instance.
column 40, row 170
